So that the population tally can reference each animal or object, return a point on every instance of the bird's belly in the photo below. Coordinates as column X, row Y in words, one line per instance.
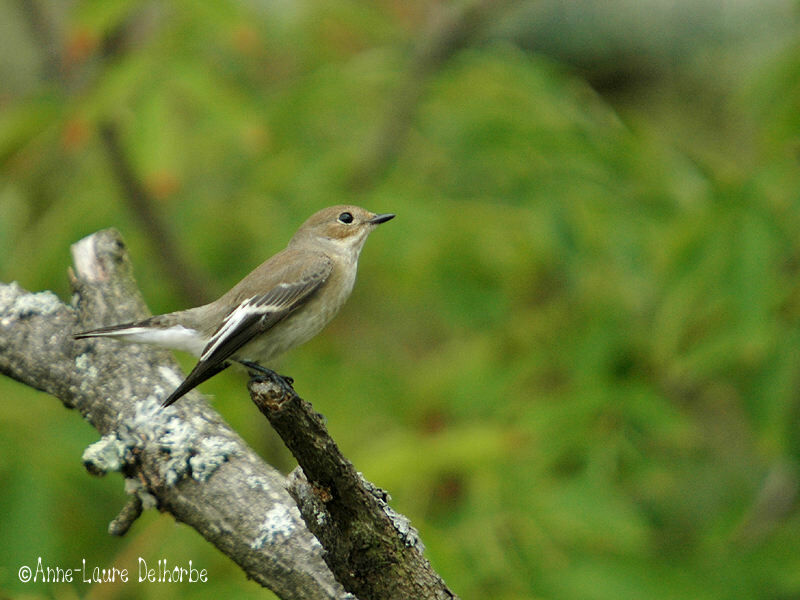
column 296, row 329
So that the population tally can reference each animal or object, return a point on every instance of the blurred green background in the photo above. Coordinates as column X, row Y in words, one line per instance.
column 572, row 358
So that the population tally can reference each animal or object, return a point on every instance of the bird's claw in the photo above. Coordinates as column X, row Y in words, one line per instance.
column 259, row 372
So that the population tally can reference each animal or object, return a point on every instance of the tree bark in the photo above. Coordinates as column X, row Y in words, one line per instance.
column 187, row 461
column 184, row 460
column 371, row 549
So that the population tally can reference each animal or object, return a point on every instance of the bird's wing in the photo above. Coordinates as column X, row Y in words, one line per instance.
column 252, row 316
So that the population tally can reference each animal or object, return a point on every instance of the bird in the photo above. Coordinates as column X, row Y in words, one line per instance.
column 282, row 303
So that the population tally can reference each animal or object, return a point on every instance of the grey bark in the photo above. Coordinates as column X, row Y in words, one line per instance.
column 184, row 460
column 371, row 549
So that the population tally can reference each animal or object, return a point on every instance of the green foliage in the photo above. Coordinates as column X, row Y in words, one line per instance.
column 572, row 359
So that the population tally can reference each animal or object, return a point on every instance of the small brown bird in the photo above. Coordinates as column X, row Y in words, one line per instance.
column 281, row 304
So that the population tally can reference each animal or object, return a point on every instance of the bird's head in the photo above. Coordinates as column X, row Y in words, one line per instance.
column 345, row 227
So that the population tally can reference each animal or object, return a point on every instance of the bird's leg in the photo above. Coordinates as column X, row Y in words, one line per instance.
column 254, row 366
column 284, row 381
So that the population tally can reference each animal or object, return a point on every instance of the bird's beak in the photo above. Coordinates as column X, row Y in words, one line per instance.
column 378, row 219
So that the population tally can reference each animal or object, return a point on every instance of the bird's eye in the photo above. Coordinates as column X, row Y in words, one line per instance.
column 345, row 218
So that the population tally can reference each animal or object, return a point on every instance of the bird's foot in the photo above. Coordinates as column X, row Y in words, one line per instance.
column 257, row 371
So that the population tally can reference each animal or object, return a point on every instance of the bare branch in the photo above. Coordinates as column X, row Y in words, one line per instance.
column 373, row 551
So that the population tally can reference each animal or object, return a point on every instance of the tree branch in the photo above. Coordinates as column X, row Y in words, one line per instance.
column 371, row 549
column 184, row 460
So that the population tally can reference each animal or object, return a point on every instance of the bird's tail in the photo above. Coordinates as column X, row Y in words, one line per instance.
column 153, row 331
column 199, row 374
column 111, row 331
